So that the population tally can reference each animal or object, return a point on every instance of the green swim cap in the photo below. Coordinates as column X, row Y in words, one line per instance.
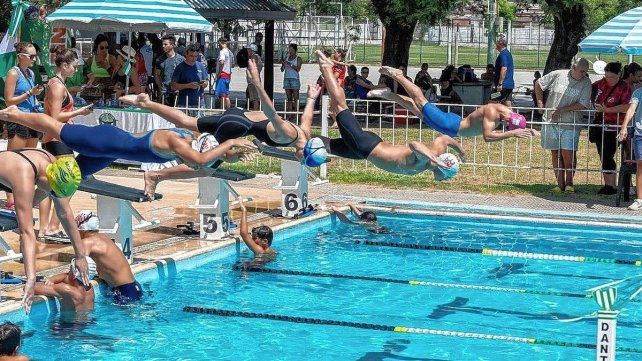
column 64, row 177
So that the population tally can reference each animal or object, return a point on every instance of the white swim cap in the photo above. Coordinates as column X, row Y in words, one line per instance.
column 87, row 221
column 91, row 265
column 447, row 173
column 205, row 142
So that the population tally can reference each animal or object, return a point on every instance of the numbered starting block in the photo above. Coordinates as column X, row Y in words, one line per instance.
column 294, row 180
column 213, row 202
column 115, row 211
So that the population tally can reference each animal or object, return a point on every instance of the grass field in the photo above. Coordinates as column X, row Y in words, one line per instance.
column 436, row 56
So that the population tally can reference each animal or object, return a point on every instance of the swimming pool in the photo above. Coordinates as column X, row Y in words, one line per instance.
column 336, row 276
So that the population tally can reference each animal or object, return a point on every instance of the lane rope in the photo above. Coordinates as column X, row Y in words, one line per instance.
column 400, row 329
column 499, row 253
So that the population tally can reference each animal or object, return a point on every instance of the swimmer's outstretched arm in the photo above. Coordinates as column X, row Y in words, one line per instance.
column 422, row 151
column 172, row 115
column 66, row 216
column 314, row 90
column 442, row 142
column 491, row 135
column 191, row 156
column 245, row 235
column 342, row 217
column 354, row 209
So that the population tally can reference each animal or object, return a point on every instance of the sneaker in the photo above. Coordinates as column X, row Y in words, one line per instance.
column 557, row 190
column 569, row 189
column 607, row 190
column 636, row 206
column 58, row 237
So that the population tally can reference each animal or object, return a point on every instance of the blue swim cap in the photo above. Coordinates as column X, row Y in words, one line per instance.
column 447, row 173
column 314, row 152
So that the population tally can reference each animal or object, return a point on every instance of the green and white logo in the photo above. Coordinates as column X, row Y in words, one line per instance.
column 605, row 298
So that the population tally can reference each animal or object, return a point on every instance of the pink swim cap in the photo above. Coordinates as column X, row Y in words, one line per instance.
column 516, row 121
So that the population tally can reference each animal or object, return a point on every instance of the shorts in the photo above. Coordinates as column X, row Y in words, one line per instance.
column 57, row 148
column 443, row 122
column 504, row 95
column 222, row 87
column 127, row 293
column 637, row 147
column 14, row 129
column 555, row 137
column 291, row 83
column 252, row 93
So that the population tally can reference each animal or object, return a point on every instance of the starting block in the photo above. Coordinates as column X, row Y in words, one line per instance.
column 294, row 180
column 115, row 211
column 213, row 202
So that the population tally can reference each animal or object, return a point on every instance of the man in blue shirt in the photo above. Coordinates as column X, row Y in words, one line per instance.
column 189, row 79
column 503, row 77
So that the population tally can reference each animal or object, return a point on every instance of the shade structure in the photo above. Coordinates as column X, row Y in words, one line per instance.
column 129, row 15
column 623, row 33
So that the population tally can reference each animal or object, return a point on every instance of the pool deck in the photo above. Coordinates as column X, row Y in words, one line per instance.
column 156, row 245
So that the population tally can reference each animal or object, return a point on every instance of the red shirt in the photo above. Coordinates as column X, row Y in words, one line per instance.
column 617, row 96
column 341, row 70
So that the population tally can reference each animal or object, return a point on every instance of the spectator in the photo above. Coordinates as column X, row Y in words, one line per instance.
column 632, row 75
column 423, row 80
column 125, row 69
column 224, row 73
column 489, row 74
column 635, row 112
column 446, row 80
column 100, row 69
column 165, row 69
column 362, row 86
column 351, row 80
column 569, row 91
column 145, row 59
column 611, row 97
column 258, row 39
column 536, row 76
column 291, row 65
column 182, row 46
column 189, row 79
column 252, row 92
column 340, row 67
column 503, row 78
column 10, row 341
column 21, row 90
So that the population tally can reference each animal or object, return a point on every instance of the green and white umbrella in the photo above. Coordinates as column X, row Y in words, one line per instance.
column 129, row 15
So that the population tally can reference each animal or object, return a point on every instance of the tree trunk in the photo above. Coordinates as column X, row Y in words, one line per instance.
column 570, row 28
column 398, row 32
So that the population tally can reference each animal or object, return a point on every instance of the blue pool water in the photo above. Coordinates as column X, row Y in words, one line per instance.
column 159, row 329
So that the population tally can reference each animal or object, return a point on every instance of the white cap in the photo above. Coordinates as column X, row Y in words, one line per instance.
column 87, row 221
column 91, row 265
column 252, row 47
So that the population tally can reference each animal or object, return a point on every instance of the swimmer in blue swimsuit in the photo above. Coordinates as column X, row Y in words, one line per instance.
column 267, row 126
column 483, row 121
column 356, row 143
column 101, row 145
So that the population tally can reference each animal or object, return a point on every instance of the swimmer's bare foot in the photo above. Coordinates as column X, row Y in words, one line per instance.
column 323, row 60
column 140, row 100
column 390, row 71
column 151, row 181
column 380, row 93
column 9, row 112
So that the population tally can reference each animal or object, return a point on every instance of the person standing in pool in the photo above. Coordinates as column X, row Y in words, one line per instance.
column 111, row 264
column 367, row 219
column 69, row 289
column 483, row 121
column 259, row 240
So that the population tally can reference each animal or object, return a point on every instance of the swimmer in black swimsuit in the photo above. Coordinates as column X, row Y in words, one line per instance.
column 367, row 219
column 21, row 171
column 355, row 143
column 267, row 126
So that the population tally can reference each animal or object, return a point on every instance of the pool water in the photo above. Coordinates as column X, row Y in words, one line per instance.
column 158, row 329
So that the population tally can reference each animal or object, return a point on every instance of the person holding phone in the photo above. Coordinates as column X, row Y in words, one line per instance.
column 190, row 79
column 21, row 90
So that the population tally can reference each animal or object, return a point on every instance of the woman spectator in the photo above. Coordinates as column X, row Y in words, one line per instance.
column 291, row 65
column 101, row 67
column 120, row 77
column 632, row 75
column 59, row 104
column 340, row 68
column 21, row 90
column 423, row 79
column 611, row 96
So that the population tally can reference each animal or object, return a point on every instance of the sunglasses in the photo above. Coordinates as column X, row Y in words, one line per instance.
column 103, row 47
column 31, row 56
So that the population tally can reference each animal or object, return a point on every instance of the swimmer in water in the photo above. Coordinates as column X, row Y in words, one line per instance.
column 68, row 288
column 367, row 219
column 10, row 341
column 259, row 240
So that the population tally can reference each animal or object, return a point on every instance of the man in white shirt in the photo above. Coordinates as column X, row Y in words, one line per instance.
column 224, row 73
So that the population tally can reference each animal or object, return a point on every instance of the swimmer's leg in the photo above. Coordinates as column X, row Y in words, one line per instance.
column 402, row 100
column 415, row 92
column 90, row 165
column 182, row 171
column 37, row 121
column 172, row 115
column 336, row 93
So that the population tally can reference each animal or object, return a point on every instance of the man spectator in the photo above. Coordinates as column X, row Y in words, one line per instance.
column 165, row 69
column 182, row 46
column 251, row 92
column 224, row 73
column 147, row 53
column 258, row 39
column 568, row 91
column 489, row 74
column 350, row 82
column 504, row 71
column 423, row 80
column 189, row 79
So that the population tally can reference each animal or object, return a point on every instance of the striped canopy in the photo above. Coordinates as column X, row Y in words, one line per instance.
column 129, row 15
column 622, row 33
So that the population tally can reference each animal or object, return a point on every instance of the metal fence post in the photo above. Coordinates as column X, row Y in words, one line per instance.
column 325, row 102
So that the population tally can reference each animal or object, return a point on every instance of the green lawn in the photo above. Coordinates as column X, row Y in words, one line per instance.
column 436, row 56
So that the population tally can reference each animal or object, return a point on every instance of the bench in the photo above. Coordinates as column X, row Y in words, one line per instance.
column 213, row 202
column 115, row 211
column 294, row 179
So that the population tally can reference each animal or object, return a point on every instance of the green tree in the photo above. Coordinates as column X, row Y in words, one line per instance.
column 601, row 11
column 507, row 10
column 569, row 26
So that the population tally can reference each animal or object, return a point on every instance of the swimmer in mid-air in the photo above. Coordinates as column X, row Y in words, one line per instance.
column 69, row 289
column 483, row 121
column 101, row 145
column 259, row 240
column 367, row 219
column 355, row 143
